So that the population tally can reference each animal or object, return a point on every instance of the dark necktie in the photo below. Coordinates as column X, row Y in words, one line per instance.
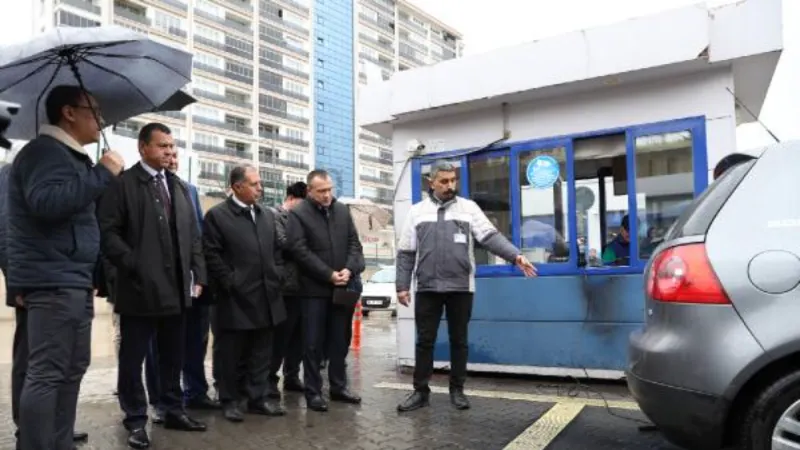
column 164, row 195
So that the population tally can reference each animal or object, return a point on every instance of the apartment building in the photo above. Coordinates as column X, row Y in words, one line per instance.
column 274, row 76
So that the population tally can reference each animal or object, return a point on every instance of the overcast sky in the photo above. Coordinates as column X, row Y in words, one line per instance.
column 499, row 23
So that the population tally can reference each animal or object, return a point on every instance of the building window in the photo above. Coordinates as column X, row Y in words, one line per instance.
column 73, row 20
column 321, row 41
column 321, row 106
column 320, row 62
column 320, row 84
column 209, row 33
column 209, row 60
column 168, row 22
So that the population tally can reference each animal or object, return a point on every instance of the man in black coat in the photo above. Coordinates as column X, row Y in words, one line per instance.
column 53, row 246
column 287, row 348
column 240, row 241
column 150, row 235
column 325, row 245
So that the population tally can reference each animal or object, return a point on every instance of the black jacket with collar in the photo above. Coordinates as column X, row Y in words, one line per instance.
column 140, row 241
column 321, row 242
column 245, row 266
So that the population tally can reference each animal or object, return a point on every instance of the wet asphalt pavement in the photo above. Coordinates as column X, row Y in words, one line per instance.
column 505, row 411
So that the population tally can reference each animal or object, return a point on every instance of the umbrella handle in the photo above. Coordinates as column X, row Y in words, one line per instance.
column 74, row 67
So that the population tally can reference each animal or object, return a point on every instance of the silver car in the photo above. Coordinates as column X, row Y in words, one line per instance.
column 718, row 361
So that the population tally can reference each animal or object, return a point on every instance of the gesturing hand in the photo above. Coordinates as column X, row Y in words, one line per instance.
column 404, row 298
column 525, row 266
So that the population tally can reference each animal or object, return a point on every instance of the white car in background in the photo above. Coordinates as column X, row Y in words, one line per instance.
column 379, row 292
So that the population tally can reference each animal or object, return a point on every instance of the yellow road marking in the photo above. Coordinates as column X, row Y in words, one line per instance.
column 618, row 404
column 539, row 435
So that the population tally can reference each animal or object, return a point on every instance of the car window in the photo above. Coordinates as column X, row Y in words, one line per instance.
column 383, row 276
column 697, row 219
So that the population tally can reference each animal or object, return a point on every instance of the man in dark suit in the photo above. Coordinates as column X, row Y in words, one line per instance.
column 325, row 245
column 195, row 392
column 53, row 245
column 150, row 235
column 287, row 348
column 240, row 241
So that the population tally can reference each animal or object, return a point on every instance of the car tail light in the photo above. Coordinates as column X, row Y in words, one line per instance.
column 683, row 274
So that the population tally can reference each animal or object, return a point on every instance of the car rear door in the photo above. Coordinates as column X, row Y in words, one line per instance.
column 754, row 247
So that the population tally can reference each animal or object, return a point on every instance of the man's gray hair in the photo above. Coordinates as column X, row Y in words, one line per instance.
column 441, row 165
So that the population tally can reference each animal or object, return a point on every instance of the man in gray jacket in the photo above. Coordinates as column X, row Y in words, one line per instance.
column 438, row 238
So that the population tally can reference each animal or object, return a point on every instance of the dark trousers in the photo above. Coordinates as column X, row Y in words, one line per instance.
column 19, row 363
column 151, row 373
column 287, row 347
column 195, row 385
column 427, row 317
column 242, row 364
column 325, row 327
column 59, row 346
column 194, row 373
column 137, row 336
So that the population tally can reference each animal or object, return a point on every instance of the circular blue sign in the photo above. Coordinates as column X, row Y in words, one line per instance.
column 543, row 172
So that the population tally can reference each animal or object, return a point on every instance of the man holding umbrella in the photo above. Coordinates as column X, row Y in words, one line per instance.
column 53, row 247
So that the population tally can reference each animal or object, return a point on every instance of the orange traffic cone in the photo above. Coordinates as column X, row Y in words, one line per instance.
column 355, row 343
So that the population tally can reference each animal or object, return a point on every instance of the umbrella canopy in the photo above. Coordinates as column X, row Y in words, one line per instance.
column 177, row 102
column 127, row 73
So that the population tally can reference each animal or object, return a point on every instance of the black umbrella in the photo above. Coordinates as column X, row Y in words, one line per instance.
column 177, row 102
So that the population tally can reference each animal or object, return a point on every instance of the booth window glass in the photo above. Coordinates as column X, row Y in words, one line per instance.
column 543, row 193
column 664, row 185
column 490, row 188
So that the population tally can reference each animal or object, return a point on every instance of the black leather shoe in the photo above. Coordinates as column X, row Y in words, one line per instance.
column 138, row 439
column 182, row 423
column 458, row 399
column 158, row 417
column 266, row 409
column 414, row 401
column 232, row 413
column 345, row 397
column 293, row 385
column 203, row 403
column 317, row 404
column 80, row 436
column 272, row 390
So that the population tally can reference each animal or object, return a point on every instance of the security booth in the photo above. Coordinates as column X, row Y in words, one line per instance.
column 572, row 146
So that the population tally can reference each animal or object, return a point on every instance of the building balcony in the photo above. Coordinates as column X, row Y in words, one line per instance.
column 242, row 6
column 379, row 199
column 177, row 115
column 291, row 27
column 282, row 138
column 387, row 7
column 174, row 4
column 284, row 45
column 227, row 23
column 211, row 176
column 132, row 16
column 223, row 125
column 126, row 132
column 267, row 159
column 280, row 66
column 448, row 54
column 382, row 44
column 222, row 151
column 295, row 5
column 174, row 31
column 82, row 4
column 379, row 62
column 222, row 99
column 377, row 180
column 380, row 23
column 224, row 47
column 283, row 115
column 377, row 140
column 414, row 26
column 412, row 58
column 283, row 91
column 384, row 158
column 222, row 73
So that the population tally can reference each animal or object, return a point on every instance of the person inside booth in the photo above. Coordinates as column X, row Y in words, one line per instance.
column 618, row 251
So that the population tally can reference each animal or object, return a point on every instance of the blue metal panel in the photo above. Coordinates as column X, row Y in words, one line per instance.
column 334, row 98
column 571, row 321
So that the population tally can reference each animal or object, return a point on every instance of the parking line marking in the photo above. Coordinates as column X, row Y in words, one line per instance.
column 544, row 431
column 504, row 395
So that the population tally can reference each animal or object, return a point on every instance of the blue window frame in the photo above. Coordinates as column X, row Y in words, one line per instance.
column 569, row 266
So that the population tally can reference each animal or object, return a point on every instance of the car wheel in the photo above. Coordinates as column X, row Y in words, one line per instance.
column 773, row 419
